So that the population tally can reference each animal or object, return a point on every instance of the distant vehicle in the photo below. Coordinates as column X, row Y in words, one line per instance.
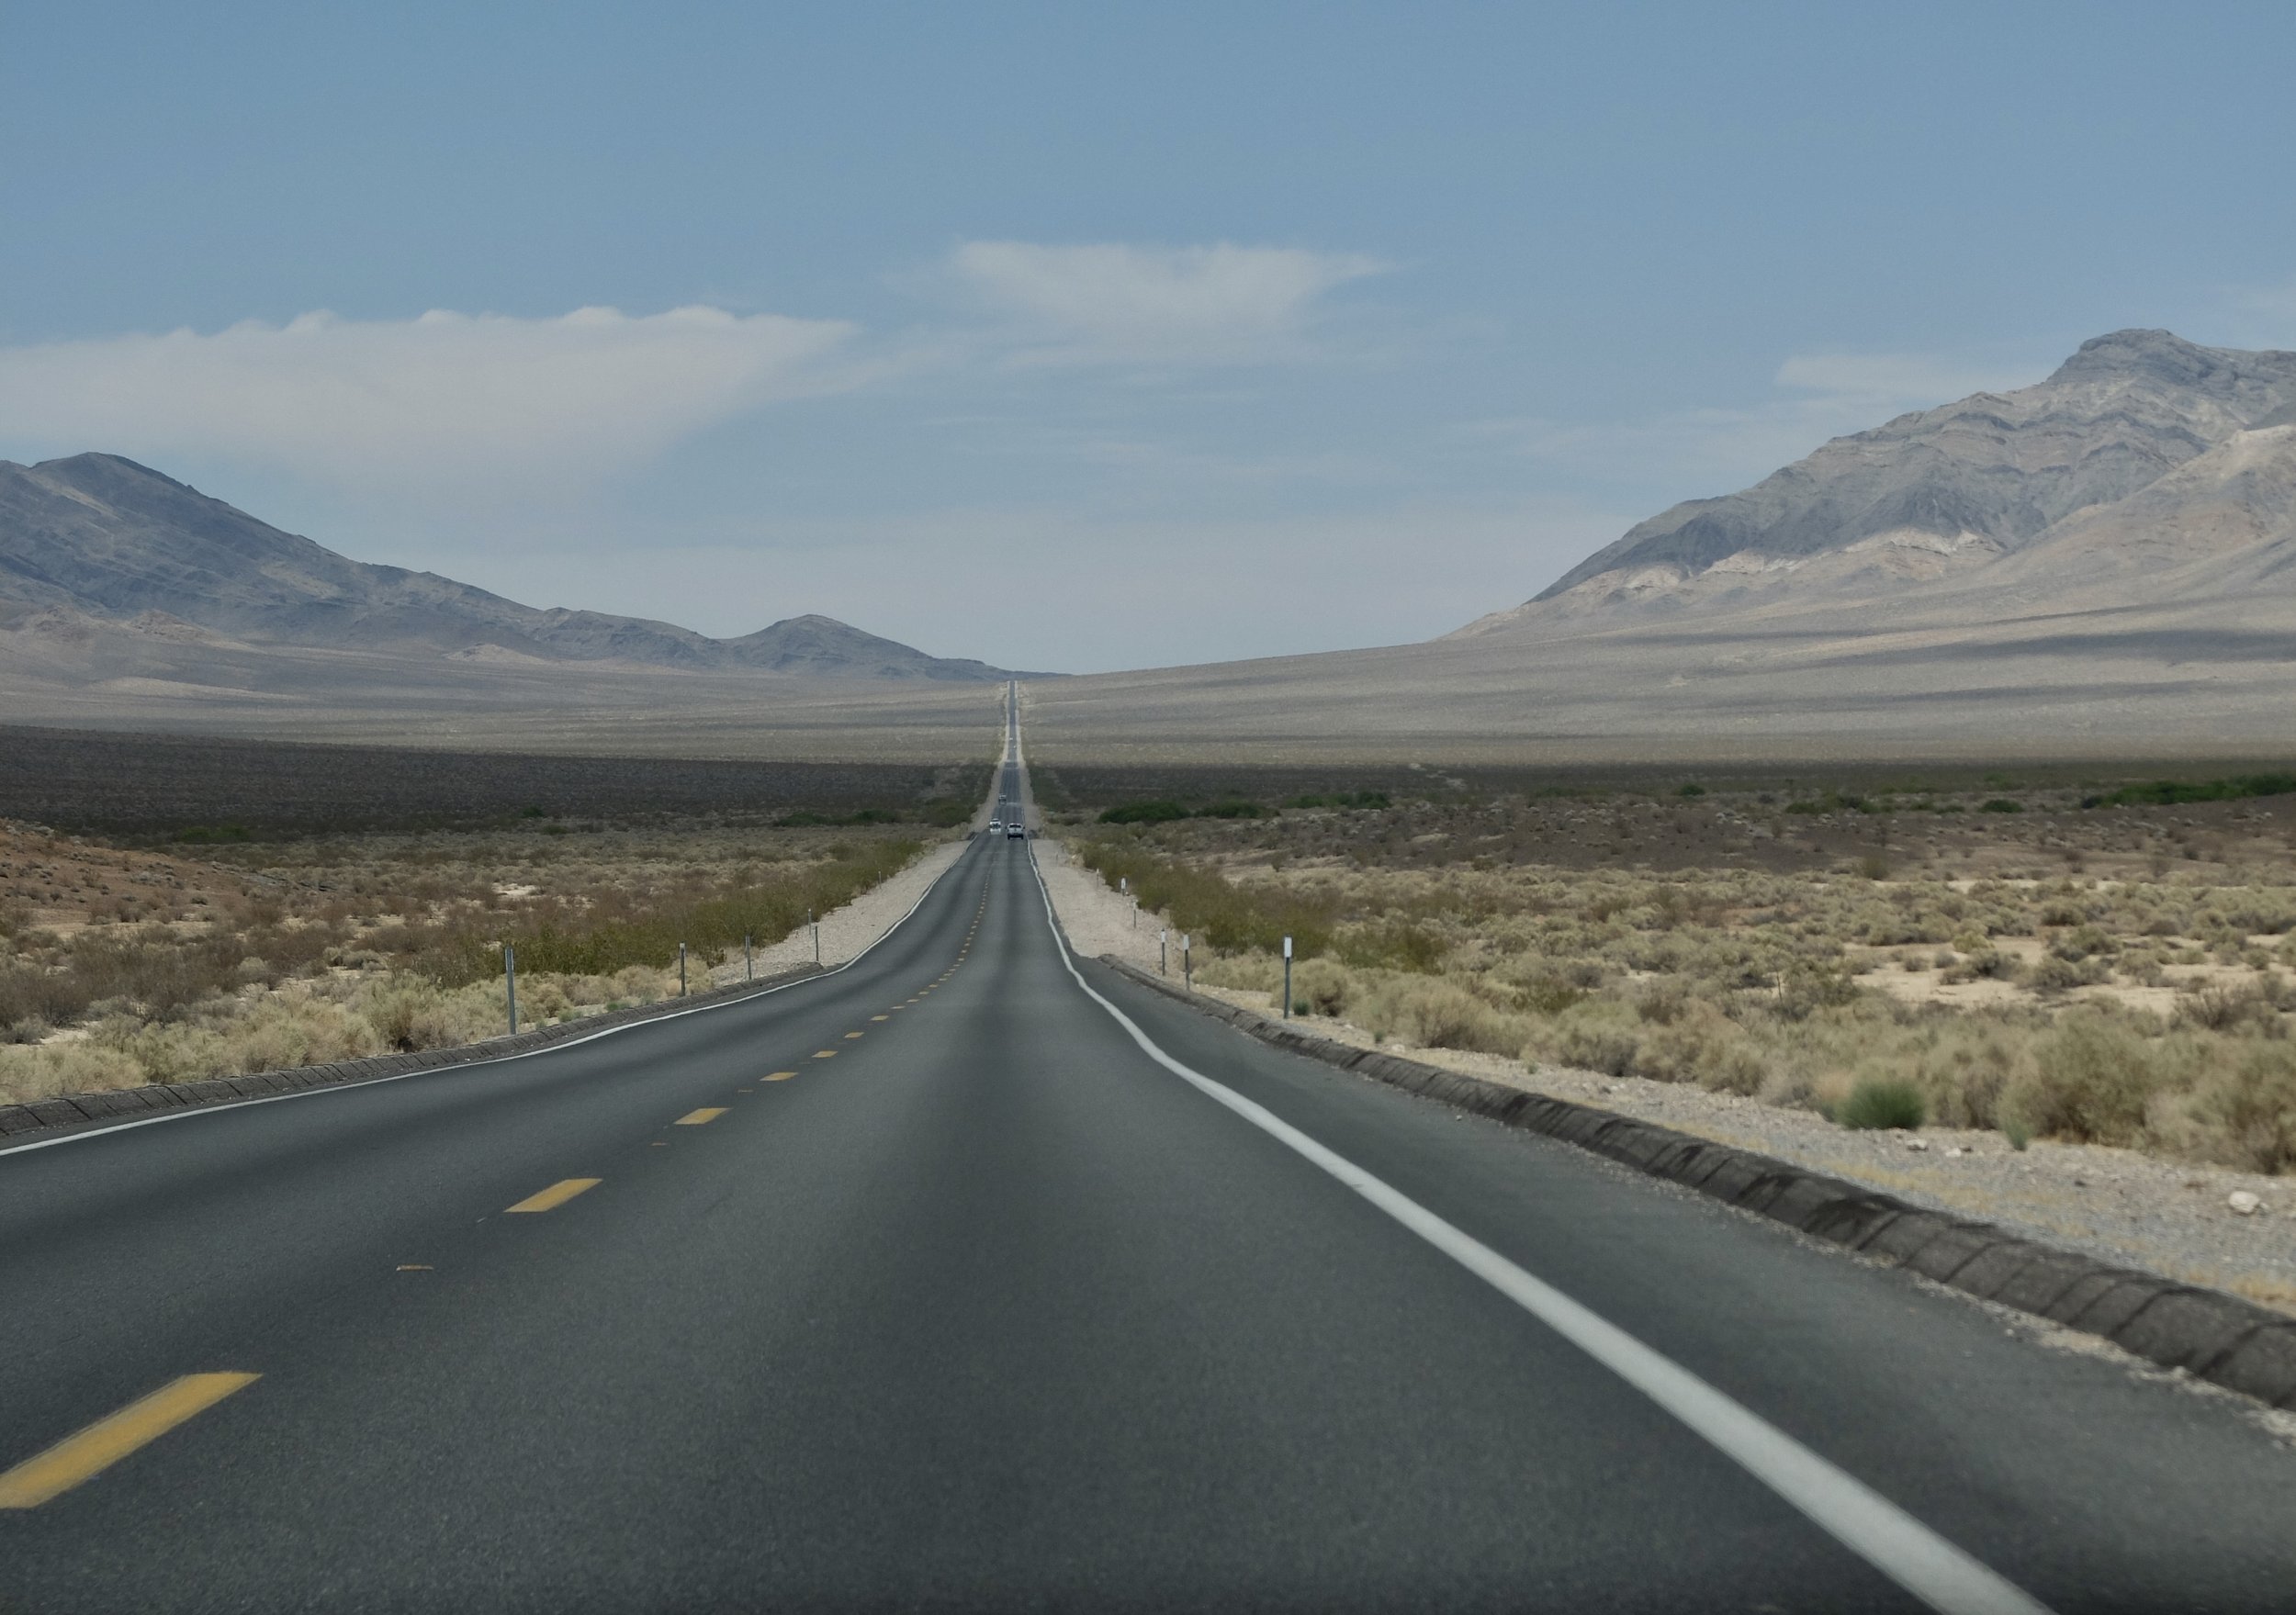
column 1014, row 831
column 994, row 825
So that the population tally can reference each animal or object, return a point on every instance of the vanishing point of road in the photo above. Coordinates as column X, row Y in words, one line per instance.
column 973, row 1275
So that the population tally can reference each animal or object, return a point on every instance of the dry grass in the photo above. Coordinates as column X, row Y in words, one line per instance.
column 2117, row 975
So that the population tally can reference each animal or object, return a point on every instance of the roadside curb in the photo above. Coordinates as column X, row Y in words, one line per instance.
column 68, row 1111
column 2205, row 1333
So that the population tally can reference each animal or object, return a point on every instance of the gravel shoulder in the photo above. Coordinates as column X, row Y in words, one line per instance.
column 2165, row 1216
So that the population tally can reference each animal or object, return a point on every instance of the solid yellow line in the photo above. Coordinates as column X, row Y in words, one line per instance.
column 556, row 1196
column 107, row 1441
column 779, row 1076
column 695, row 1118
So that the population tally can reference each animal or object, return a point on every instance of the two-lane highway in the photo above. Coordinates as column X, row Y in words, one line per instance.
column 972, row 1276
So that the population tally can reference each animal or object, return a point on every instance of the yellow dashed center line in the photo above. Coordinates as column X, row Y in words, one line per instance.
column 556, row 1196
column 779, row 1076
column 825, row 1054
column 880, row 1018
column 107, row 1441
column 702, row 1117
column 850, row 1035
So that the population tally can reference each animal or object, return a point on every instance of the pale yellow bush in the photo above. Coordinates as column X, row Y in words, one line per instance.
column 1432, row 1013
column 38, row 1072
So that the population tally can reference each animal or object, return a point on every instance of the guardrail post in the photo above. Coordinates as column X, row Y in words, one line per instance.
column 510, row 980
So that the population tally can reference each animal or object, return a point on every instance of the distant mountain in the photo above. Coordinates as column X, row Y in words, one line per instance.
column 2144, row 456
column 99, row 537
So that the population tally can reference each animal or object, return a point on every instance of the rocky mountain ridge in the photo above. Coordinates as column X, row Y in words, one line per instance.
column 2142, row 454
column 98, row 543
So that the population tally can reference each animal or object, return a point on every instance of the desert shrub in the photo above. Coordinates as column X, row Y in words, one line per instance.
column 2083, row 941
column 1599, row 1035
column 2054, row 974
column 1981, row 963
column 2170, row 792
column 609, row 935
column 1700, row 1045
column 1434, row 1013
column 2246, row 1110
column 1808, row 988
column 1661, row 1002
column 1143, row 813
column 41, row 1071
column 2092, row 1080
column 1325, row 986
column 1882, row 1102
column 2222, row 1009
column 1393, row 944
column 1229, row 915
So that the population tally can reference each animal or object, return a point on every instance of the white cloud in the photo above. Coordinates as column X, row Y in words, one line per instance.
column 450, row 401
column 1187, row 304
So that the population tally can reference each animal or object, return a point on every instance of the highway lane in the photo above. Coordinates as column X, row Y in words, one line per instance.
column 990, row 1309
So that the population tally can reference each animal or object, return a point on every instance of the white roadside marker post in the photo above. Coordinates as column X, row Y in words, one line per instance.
column 1187, row 969
column 748, row 964
column 1287, row 978
column 816, row 935
column 682, row 970
column 509, row 980
column 1162, row 955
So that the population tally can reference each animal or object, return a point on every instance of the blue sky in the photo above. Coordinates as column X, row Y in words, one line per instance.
column 1086, row 336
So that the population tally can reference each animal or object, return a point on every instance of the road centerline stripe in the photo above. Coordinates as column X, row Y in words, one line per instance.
column 1892, row 1540
column 556, row 1196
column 699, row 1118
column 779, row 1076
column 86, row 1454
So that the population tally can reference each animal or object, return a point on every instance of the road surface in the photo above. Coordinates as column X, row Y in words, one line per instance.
column 932, row 1283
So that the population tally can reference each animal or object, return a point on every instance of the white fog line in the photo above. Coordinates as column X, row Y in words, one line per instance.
column 190, row 1111
column 1924, row 1564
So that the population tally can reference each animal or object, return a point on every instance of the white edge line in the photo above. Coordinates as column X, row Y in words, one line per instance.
column 189, row 1111
column 1894, row 1544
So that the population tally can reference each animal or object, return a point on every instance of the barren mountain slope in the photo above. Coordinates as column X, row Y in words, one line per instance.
column 1935, row 494
column 101, row 538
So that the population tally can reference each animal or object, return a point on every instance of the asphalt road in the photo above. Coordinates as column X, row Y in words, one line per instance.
column 995, row 1305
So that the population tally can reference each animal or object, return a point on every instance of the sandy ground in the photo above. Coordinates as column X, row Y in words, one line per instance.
column 2114, row 1203
column 846, row 931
